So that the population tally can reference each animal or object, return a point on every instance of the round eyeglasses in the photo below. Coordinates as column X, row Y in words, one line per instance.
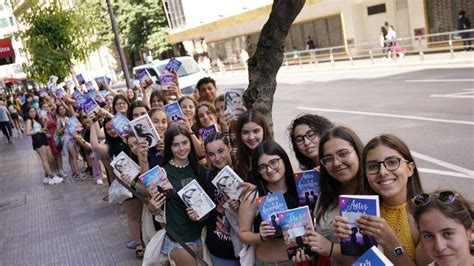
column 310, row 135
column 273, row 164
column 391, row 164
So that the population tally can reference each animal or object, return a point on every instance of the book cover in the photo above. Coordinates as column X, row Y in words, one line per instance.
column 52, row 88
column 156, row 177
column 194, row 197
column 144, row 77
column 90, row 107
column 269, row 206
column 80, row 79
column 124, row 165
column 352, row 207
column 174, row 112
column 104, row 93
column 72, row 125
column 42, row 92
column 294, row 223
column 228, row 182
column 43, row 114
column 173, row 65
column 142, row 127
column 372, row 257
column 233, row 101
column 93, row 93
column 167, row 79
column 52, row 80
column 59, row 92
column 89, row 85
column 307, row 186
column 104, row 80
column 207, row 131
column 121, row 124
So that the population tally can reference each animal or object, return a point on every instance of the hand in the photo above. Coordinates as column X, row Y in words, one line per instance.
column 127, row 179
column 234, row 204
column 174, row 90
column 76, row 136
column 157, row 200
column 192, row 214
column 317, row 242
column 142, row 149
column 246, row 187
column 300, row 256
column 266, row 230
column 340, row 227
column 160, row 146
column 377, row 228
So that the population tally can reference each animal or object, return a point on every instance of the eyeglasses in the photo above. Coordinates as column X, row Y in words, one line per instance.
column 273, row 164
column 120, row 103
column 443, row 197
column 391, row 164
column 342, row 156
column 310, row 135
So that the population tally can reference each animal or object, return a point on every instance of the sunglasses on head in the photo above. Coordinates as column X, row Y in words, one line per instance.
column 443, row 197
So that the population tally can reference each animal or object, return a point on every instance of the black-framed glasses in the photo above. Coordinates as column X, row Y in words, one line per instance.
column 341, row 155
column 443, row 197
column 310, row 135
column 391, row 164
column 273, row 164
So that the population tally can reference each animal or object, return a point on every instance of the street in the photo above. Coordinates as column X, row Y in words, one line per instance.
column 432, row 110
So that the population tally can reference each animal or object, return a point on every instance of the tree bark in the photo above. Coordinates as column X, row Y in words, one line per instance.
column 265, row 63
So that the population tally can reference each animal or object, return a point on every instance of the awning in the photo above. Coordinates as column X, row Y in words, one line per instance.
column 12, row 80
column 6, row 48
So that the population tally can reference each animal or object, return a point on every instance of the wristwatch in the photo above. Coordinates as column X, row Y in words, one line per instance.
column 398, row 251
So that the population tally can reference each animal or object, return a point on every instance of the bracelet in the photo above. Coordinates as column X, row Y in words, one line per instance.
column 261, row 238
column 330, row 252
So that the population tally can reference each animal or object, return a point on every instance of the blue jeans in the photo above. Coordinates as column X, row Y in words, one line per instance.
column 169, row 245
column 216, row 261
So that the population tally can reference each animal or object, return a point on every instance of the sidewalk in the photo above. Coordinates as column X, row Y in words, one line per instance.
column 64, row 224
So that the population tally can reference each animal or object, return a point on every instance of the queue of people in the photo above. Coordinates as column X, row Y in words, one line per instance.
column 415, row 227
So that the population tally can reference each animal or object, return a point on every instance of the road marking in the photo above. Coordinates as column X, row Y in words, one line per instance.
column 466, row 94
column 470, row 123
column 459, row 169
column 439, row 80
column 443, row 173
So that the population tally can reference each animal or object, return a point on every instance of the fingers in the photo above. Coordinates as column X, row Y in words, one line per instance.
column 266, row 230
column 341, row 228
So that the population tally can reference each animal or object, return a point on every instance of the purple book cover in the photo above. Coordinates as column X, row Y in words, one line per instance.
column 59, row 93
column 207, row 131
column 80, row 79
column 90, row 106
column 307, row 186
column 156, row 177
column 42, row 92
column 269, row 206
column 352, row 207
column 294, row 223
column 103, row 80
column 173, row 110
column 173, row 65
column 167, row 79
column 93, row 93
column 89, row 85
column 121, row 124
column 144, row 77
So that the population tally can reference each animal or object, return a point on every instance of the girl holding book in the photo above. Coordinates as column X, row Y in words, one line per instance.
column 275, row 174
column 182, row 166
column 391, row 173
column 157, row 99
column 444, row 219
column 219, row 230
column 251, row 129
column 305, row 133
column 205, row 116
column 340, row 150
column 188, row 106
column 160, row 121
column 137, row 109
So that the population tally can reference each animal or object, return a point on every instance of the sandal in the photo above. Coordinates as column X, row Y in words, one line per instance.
column 139, row 251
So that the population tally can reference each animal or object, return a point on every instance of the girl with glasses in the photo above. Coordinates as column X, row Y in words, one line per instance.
column 391, row 173
column 305, row 132
column 444, row 219
column 275, row 174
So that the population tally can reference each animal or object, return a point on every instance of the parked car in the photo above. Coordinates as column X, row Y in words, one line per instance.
column 189, row 73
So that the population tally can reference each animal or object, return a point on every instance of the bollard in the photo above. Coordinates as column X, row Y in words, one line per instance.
column 371, row 56
column 350, row 56
column 331, row 57
column 420, row 47
column 451, row 50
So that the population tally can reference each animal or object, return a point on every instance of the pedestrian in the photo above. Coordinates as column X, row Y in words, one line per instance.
column 391, row 40
column 51, row 125
column 383, row 39
column 5, row 121
column 444, row 219
column 244, row 57
column 15, row 118
column 463, row 25
column 310, row 45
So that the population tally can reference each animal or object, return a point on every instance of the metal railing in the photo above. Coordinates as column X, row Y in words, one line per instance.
column 446, row 42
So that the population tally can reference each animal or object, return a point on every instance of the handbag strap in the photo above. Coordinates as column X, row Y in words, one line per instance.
column 169, row 231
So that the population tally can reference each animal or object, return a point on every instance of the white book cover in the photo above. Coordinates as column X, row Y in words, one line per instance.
column 233, row 102
column 228, row 182
column 194, row 197
column 122, row 164
column 143, row 128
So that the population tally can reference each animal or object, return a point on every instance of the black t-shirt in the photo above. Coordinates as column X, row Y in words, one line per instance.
column 310, row 44
column 218, row 238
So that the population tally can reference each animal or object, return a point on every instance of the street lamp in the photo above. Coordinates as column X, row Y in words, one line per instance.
column 119, row 45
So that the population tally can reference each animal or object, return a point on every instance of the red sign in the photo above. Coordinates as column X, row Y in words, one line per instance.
column 6, row 48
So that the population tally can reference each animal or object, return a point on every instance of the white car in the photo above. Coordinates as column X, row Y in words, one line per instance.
column 189, row 73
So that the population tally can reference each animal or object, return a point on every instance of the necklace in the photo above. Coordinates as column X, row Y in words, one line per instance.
column 179, row 166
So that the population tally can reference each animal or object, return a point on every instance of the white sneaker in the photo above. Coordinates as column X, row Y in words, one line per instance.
column 62, row 174
column 47, row 180
column 99, row 182
column 56, row 179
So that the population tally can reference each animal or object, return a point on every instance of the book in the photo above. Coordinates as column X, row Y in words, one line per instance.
column 157, row 178
column 144, row 77
column 89, row 85
column 174, row 112
column 43, row 114
column 167, row 79
column 90, row 107
column 52, row 80
column 207, row 131
column 121, row 124
column 103, row 81
column 59, row 92
column 93, row 93
column 233, row 101
column 80, row 79
column 307, row 186
column 269, row 206
column 142, row 127
column 352, row 207
column 372, row 257
column 104, row 93
column 72, row 125
column 42, row 92
column 294, row 223
column 228, row 182
column 173, row 65
column 79, row 97
column 194, row 197
column 124, row 165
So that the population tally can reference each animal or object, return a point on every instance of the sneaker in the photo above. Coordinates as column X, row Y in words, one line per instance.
column 99, row 182
column 46, row 180
column 56, row 179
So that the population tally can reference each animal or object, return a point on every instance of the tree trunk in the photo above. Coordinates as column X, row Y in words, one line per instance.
column 268, row 57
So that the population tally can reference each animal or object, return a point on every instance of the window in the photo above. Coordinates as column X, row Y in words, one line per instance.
column 175, row 12
column 4, row 23
column 372, row 10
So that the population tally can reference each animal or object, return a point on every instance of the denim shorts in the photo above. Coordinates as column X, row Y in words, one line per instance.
column 169, row 245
